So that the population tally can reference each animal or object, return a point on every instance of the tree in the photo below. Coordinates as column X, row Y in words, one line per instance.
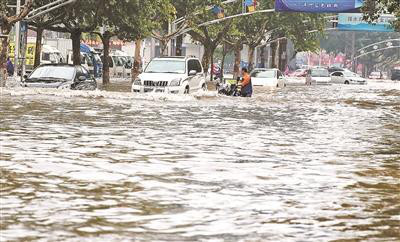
column 166, row 29
column 340, row 42
column 372, row 9
column 43, row 22
column 210, row 36
column 131, row 21
column 8, row 18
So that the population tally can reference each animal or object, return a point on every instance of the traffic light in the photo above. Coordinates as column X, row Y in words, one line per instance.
column 249, row 6
column 218, row 11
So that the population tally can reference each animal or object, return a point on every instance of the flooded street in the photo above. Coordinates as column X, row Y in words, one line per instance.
column 296, row 164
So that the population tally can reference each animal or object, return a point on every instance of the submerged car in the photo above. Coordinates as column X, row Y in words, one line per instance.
column 267, row 78
column 61, row 76
column 299, row 73
column 376, row 75
column 178, row 75
column 319, row 76
column 396, row 74
column 347, row 77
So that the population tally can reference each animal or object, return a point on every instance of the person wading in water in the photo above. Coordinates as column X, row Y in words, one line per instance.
column 247, row 87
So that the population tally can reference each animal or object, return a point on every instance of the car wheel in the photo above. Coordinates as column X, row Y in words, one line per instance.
column 187, row 90
column 347, row 82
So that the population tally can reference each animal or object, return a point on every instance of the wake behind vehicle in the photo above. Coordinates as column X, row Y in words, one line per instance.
column 60, row 76
column 347, row 77
column 177, row 75
column 318, row 76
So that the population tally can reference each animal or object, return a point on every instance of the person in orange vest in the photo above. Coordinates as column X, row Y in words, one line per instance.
column 247, row 87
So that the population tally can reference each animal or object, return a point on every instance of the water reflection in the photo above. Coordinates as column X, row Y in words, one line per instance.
column 306, row 164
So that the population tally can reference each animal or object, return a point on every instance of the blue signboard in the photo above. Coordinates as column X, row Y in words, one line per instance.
column 355, row 22
column 319, row 6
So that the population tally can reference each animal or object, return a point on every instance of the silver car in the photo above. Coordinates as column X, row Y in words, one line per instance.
column 347, row 77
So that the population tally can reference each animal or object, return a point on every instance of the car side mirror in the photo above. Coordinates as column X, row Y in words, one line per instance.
column 192, row 73
column 82, row 78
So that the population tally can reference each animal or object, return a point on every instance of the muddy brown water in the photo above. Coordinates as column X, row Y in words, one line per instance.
column 296, row 164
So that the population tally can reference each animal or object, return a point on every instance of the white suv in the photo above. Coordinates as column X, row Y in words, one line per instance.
column 180, row 75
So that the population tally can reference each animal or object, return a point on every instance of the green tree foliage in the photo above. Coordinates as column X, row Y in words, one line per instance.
column 43, row 22
column 374, row 8
column 272, row 28
column 341, row 42
column 130, row 20
column 8, row 18
column 210, row 36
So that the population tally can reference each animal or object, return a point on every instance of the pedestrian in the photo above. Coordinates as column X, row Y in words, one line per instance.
column 10, row 67
column 247, row 87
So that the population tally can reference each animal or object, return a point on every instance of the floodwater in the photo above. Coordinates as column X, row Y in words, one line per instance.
column 296, row 164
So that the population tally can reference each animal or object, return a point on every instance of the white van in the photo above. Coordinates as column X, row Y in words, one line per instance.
column 120, row 66
column 51, row 55
column 48, row 55
column 86, row 61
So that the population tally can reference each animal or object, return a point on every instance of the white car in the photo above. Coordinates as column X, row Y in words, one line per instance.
column 347, row 77
column 178, row 75
column 376, row 75
column 319, row 76
column 267, row 78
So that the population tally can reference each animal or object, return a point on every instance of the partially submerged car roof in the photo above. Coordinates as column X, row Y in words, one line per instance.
column 59, row 64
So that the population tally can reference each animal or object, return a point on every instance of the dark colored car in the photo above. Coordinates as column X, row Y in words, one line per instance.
column 335, row 69
column 396, row 74
column 61, row 76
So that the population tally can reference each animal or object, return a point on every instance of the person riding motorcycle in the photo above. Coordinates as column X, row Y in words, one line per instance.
column 247, row 87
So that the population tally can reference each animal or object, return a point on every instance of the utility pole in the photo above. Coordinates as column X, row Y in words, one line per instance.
column 17, row 40
column 353, row 51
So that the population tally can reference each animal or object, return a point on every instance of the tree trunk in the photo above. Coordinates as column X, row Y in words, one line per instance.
column 38, row 48
column 262, row 54
column 138, row 60
column 163, row 47
column 273, row 54
column 76, row 47
column 179, row 42
column 6, row 29
column 251, row 57
column 212, row 50
column 3, row 61
column 238, row 58
column 277, row 54
column 224, row 53
column 282, row 55
column 206, row 59
column 106, row 66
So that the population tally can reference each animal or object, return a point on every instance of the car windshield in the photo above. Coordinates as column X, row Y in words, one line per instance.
column 53, row 72
column 166, row 66
column 266, row 74
column 319, row 73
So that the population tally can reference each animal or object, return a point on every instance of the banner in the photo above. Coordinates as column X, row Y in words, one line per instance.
column 355, row 22
column 319, row 6
column 29, row 54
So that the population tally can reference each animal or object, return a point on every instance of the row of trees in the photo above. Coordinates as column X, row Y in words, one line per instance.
column 342, row 42
column 133, row 20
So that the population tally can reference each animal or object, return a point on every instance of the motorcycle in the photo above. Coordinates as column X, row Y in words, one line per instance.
column 229, row 89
